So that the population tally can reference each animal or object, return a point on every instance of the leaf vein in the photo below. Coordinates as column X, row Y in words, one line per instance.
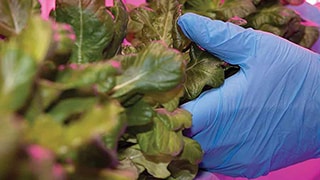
column 80, row 34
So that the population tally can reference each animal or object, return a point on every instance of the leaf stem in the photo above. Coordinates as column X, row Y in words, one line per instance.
column 128, row 82
column 165, row 27
column 14, row 22
column 80, row 34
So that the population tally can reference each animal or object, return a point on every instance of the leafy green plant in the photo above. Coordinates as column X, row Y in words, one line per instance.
column 78, row 103
column 264, row 15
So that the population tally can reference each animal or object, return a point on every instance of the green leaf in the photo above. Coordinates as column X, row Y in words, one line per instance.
column 202, row 5
column 155, row 69
column 140, row 113
column 111, row 139
column 64, row 38
column 17, row 72
column 44, row 95
column 138, row 18
column 157, row 167
column 203, row 69
column 92, row 6
column 283, row 22
column 126, row 60
column 174, row 102
column 19, row 60
column 182, row 169
column 232, row 8
column 121, row 18
column 101, row 75
column 177, row 120
column 116, row 174
column 127, row 165
column 128, row 49
column 160, row 140
column 221, row 10
column 163, row 23
column 86, row 173
column 155, row 23
column 101, row 120
column 169, row 99
column 192, row 151
column 203, row 8
column 40, row 33
column 276, row 18
column 130, row 99
column 180, row 41
column 10, row 133
column 93, row 27
column 48, row 133
column 95, row 155
column 14, row 16
column 165, row 136
column 141, row 27
column 67, row 107
column 311, row 35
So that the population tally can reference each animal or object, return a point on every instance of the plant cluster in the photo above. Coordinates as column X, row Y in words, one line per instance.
column 78, row 103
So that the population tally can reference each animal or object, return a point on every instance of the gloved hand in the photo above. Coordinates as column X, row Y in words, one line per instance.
column 309, row 13
column 265, row 117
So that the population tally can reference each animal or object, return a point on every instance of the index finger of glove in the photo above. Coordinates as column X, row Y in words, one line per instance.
column 227, row 41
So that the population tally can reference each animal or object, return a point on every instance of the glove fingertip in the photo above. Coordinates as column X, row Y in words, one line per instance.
column 200, row 29
column 187, row 21
column 227, row 41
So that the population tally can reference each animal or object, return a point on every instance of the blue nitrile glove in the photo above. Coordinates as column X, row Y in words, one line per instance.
column 309, row 13
column 205, row 175
column 265, row 117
